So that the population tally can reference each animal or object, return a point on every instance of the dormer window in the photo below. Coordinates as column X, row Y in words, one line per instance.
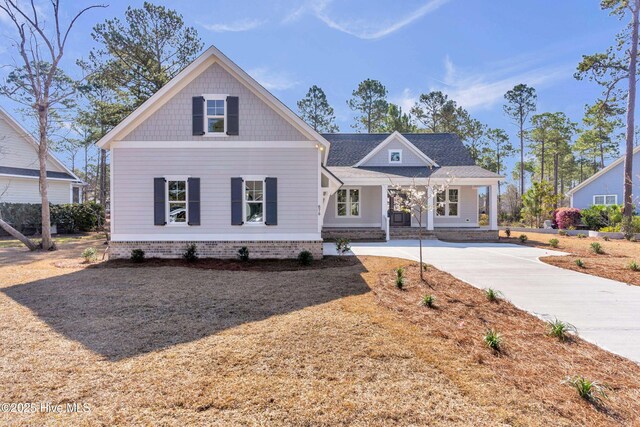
column 395, row 156
column 215, row 115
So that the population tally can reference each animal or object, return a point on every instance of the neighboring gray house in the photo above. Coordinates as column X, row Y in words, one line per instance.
column 214, row 159
column 606, row 186
column 20, row 169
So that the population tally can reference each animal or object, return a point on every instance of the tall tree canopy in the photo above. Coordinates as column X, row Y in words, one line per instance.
column 370, row 101
column 141, row 54
column 520, row 102
column 602, row 120
column 316, row 111
column 396, row 120
column 438, row 113
column 496, row 151
column 616, row 71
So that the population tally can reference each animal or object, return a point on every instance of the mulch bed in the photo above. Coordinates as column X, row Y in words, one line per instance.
column 220, row 264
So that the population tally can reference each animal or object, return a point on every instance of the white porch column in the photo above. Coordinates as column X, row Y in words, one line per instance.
column 384, row 218
column 432, row 206
column 493, row 208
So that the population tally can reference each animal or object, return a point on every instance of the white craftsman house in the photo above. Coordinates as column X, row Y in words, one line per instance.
column 20, row 169
column 214, row 159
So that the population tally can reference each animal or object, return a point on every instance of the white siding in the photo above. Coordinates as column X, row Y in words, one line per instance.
column 25, row 190
column 297, row 170
column 370, row 210
column 17, row 152
column 381, row 158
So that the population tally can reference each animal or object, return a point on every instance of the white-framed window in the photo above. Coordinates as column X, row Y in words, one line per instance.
column 348, row 202
column 448, row 203
column 215, row 115
column 605, row 199
column 395, row 156
column 177, row 208
column 254, row 200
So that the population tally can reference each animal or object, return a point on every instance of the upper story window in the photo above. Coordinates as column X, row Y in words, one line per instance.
column 348, row 202
column 447, row 202
column 215, row 115
column 177, row 201
column 395, row 156
column 605, row 199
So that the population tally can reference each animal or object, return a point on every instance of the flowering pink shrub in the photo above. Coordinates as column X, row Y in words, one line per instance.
column 566, row 217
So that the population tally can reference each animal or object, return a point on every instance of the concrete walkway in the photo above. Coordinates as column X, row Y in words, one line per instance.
column 605, row 312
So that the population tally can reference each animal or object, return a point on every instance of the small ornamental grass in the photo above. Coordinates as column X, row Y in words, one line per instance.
column 554, row 243
column 428, row 301
column 90, row 255
column 591, row 391
column 190, row 253
column 563, row 233
column 343, row 246
column 507, row 231
column 606, row 238
column 596, row 248
column 523, row 238
column 582, row 236
column 634, row 266
column 492, row 295
column 493, row 340
column 305, row 258
column 137, row 255
column 243, row 254
column 559, row 329
column 400, row 278
column 580, row 263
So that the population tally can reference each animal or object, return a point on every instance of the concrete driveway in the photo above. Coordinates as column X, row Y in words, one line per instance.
column 605, row 312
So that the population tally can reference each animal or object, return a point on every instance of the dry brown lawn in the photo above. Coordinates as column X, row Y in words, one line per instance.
column 613, row 264
column 337, row 346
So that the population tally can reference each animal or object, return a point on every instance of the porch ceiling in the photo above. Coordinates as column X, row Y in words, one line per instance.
column 386, row 173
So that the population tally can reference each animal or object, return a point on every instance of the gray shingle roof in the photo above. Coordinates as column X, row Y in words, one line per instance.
column 387, row 172
column 34, row 172
column 446, row 149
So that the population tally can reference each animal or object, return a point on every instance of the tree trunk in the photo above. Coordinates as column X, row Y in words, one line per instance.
column 521, row 155
column 542, row 163
column 47, row 241
column 18, row 235
column 103, row 177
column 631, row 107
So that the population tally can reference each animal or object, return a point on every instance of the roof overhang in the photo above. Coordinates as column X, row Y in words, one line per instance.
column 397, row 136
column 595, row 176
column 211, row 56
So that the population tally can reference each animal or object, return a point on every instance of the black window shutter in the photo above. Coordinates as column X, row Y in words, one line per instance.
column 236, row 201
column 158, row 201
column 271, row 201
column 193, row 185
column 233, row 118
column 197, row 114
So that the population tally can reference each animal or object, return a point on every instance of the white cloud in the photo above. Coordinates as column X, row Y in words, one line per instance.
column 405, row 100
column 362, row 28
column 273, row 80
column 237, row 26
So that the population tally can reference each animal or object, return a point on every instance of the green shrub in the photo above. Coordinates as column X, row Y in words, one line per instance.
column 554, row 243
column 579, row 263
column 615, row 229
column 137, row 255
column 582, row 236
column 305, row 258
column 559, row 329
column 597, row 217
column 190, row 253
column 90, row 254
column 606, row 238
column 343, row 246
column 69, row 218
column 425, row 267
column 563, row 233
column 523, row 238
column 633, row 266
column 400, row 278
column 492, row 295
column 243, row 253
column 428, row 301
column 507, row 231
column 588, row 390
column 493, row 340
column 596, row 248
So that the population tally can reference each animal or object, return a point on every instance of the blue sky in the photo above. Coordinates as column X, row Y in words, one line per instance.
column 472, row 50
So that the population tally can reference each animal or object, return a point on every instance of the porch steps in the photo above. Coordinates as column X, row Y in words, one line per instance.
column 403, row 233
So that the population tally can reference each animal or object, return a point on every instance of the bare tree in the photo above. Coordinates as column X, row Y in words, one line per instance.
column 34, row 82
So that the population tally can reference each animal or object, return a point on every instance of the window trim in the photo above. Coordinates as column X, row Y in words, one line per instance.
column 446, row 203
column 184, row 178
column 604, row 196
column 395, row 150
column 214, row 97
column 262, row 178
column 348, row 202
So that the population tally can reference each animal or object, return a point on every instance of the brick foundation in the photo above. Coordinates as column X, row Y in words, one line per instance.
column 218, row 249
column 355, row 234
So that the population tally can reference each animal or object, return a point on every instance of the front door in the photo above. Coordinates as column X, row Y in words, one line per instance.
column 398, row 217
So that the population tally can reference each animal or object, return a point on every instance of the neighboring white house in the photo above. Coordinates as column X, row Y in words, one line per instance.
column 19, row 169
column 214, row 159
column 607, row 186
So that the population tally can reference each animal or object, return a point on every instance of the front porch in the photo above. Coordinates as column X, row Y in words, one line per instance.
column 375, row 213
